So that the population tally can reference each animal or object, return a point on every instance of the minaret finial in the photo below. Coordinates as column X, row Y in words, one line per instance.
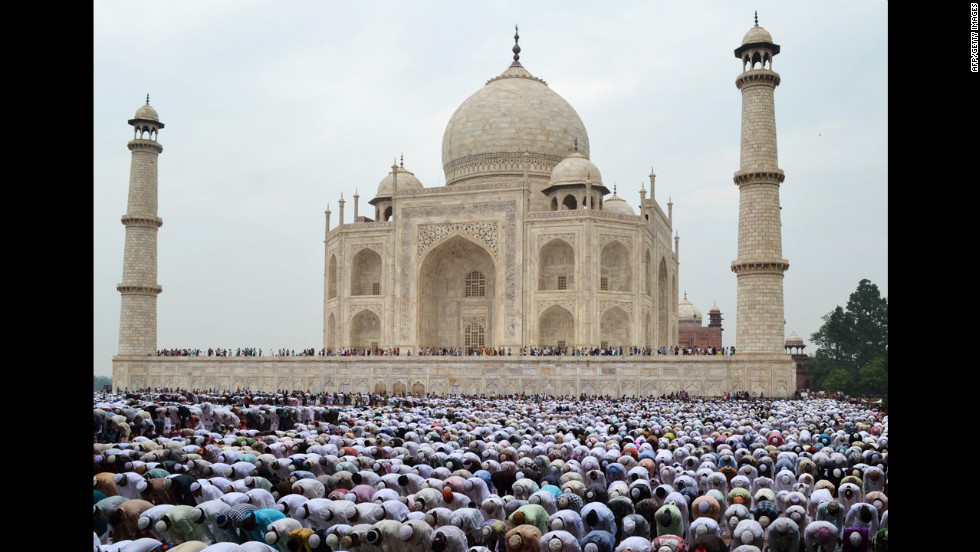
column 517, row 49
column 147, row 98
column 757, row 18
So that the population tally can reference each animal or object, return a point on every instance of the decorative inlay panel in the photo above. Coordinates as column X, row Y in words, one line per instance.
column 545, row 238
column 430, row 234
column 568, row 304
column 606, row 305
column 606, row 238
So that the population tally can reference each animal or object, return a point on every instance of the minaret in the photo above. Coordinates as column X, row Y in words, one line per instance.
column 760, row 264
column 139, row 289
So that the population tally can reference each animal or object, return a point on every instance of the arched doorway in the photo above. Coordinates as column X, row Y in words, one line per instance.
column 457, row 286
column 330, row 339
column 616, row 270
column 556, row 328
column 332, row 278
column 365, row 275
column 662, row 306
column 365, row 331
column 614, row 328
column 556, row 266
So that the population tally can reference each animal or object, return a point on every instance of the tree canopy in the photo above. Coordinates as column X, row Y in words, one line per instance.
column 852, row 354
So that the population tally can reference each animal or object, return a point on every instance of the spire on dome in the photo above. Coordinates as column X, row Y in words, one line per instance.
column 516, row 49
column 147, row 98
column 757, row 18
column 402, row 165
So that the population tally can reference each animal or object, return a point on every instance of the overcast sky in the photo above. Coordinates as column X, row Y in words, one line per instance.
column 272, row 110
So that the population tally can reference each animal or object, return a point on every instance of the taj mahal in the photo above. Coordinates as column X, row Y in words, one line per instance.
column 524, row 247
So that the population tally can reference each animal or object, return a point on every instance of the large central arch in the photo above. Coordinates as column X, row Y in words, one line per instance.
column 457, row 287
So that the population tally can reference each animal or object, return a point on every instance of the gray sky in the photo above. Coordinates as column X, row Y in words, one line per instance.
column 273, row 109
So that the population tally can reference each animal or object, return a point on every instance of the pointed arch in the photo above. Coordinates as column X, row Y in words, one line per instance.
column 330, row 339
column 366, row 273
column 648, row 272
column 556, row 327
column 365, row 330
column 570, row 203
column 556, row 266
column 663, row 306
column 332, row 278
column 614, row 328
column 457, row 286
column 616, row 274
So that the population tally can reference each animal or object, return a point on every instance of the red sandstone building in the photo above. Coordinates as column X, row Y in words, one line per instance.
column 691, row 333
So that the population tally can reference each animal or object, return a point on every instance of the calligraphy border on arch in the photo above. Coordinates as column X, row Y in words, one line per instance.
column 606, row 305
column 625, row 240
column 567, row 304
column 430, row 234
column 545, row 238
column 355, row 248
column 353, row 309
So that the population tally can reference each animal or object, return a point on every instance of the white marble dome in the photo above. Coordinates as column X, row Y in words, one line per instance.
column 616, row 204
column 147, row 112
column 756, row 34
column 686, row 311
column 575, row 169
column 513, row 113
column 406, row 181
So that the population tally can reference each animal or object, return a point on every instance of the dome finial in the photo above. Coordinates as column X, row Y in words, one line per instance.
column 614, row 188
column 402, row 164
column 576, row 144
column 685, row 294
column 516, row 49
column 147, row 98
column 757, row 18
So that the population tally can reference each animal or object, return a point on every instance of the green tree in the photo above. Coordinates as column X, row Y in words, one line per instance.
column 852, row 354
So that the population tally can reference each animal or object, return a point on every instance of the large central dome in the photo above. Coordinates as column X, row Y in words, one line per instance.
column 515, row 112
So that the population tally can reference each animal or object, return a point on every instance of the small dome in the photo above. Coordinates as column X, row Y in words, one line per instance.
column 757, row 34
column 406, row 181
column 575, row 169
column 715, row 309
column 686, row 311
column 616, row 204
column 794, row 340
column 147, row 112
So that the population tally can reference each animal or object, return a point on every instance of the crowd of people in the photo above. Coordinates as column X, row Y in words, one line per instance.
column 462, row 351
column 239, row 352
column 203, row 470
